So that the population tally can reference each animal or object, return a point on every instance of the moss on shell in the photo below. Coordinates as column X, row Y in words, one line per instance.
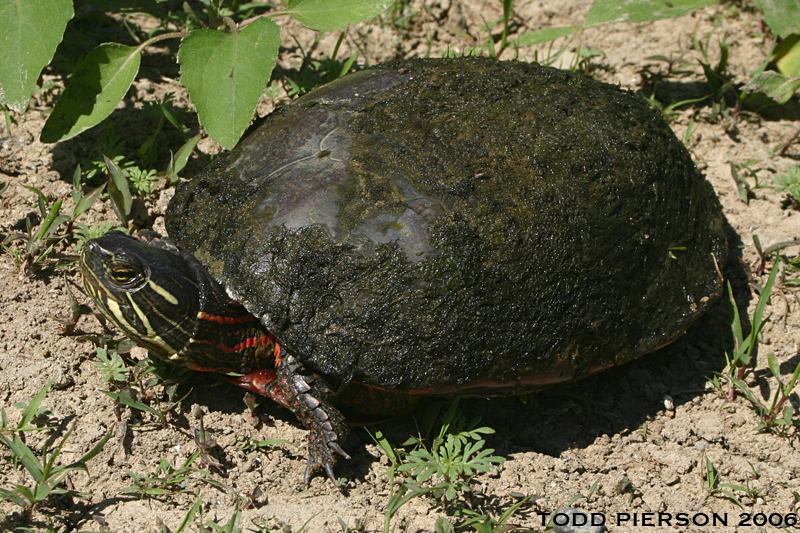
column 433, row 223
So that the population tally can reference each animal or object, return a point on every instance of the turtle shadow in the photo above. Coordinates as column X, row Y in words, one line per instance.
column 697, row 94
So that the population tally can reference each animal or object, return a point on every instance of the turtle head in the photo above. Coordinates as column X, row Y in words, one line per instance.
column 148, row 291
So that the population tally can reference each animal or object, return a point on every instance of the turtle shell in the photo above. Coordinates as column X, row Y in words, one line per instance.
column 440, row 224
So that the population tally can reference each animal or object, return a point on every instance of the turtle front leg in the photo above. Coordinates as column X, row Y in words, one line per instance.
column 305, row 394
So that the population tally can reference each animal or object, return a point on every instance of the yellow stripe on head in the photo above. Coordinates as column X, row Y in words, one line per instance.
column 161, row 291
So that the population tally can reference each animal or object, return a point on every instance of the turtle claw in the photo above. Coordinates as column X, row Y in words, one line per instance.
column 329, row 471
column 338, row 449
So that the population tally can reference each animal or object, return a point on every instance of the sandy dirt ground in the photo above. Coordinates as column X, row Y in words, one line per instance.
column 636, row 439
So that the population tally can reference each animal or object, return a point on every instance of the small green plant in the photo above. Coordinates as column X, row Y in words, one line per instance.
column 742, row 185
column 143, row 386
column 764, row 255
column 39, row 244
column 626, row 486
column 110, row 145
column 445, row 468
column 713, row 487
column 777, row 414
column 204, row 442
column 119, row 191
column 167, row 479
column 233, row 525
column 790, row 184
column 315, row 72
column 46, row 474
column 143, row 182
column 400, row 493
column 742, row 355
column 187, row 519
column 165, row 112
column 111, row 365
column 592, row 490
column 455, row 455
column 85, row 233
column 670, row 111
column 482, row 522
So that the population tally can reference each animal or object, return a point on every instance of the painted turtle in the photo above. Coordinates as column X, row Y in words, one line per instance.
column 441, row 226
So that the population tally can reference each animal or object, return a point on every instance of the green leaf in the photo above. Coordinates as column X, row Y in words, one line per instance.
column 150, row 7
column 41, row 198
column 443, row 525
column 782, row 16
column 774, row 367
column 181, row 158
column 775, row 85
column 190, row 515
column 99, row 83
column 24, row 455
column 86, row 201
column 119, row 191
column 788, row 413
column 51, row 220
column 226, row 73
column 330, row 15
column 33, row 407
column 26, row 493
column 605, row 11
column 786, row 56
column 130, row 402
column 31, row 31
column 544, row 36
column 762, row 302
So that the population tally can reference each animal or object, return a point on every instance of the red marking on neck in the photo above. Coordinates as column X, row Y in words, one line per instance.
column 247, row 343
column 225, row 319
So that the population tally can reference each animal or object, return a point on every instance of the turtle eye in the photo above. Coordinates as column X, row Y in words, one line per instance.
column 123, row 275
column 127, row 275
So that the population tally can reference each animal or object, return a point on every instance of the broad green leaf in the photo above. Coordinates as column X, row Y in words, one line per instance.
column 544, row 36
column 31, row 31
column 782, row 16
column 604, row 11
column 226, row 73
column 775, row 85
column 99, row 83
column 330, row 15
column 787, row 56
